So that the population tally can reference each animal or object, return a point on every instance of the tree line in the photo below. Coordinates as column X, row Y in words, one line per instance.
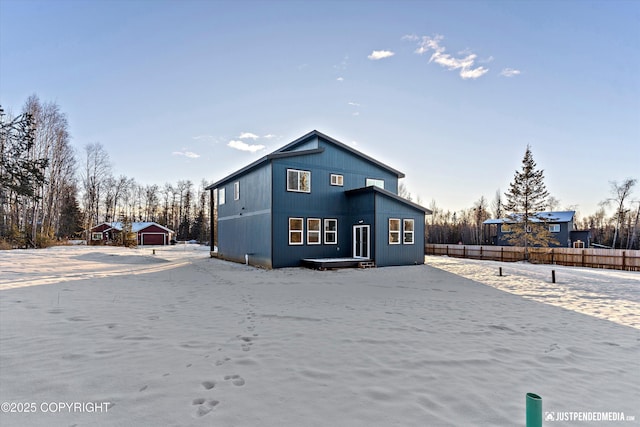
column 49, row 192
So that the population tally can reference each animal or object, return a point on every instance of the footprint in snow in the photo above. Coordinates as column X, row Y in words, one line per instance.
column 236, row 380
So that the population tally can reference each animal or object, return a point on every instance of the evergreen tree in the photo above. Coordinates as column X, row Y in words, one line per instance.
column 526, row 198
column 70, row 214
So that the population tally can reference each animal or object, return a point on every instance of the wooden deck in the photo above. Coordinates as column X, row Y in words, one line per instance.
column 328, row 263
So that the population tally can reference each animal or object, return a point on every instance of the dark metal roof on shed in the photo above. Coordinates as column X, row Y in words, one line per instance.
column 288, row 151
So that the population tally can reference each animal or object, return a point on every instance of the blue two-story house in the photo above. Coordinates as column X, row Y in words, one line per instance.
column 315, row 198
column 560, row 224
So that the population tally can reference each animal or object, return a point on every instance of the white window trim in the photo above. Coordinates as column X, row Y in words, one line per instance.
column 96, row 235
column 328, row 232
column 374, row 182
column 394, row 232
column 236, row 190
column 337, row 180
column 554, row 228
column 301, row 242
column 311, row 232
column 299, row 172
column 221, row 196
column 505, row 228
column 404, row 231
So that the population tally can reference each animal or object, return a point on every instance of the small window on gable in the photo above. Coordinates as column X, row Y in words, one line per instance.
column 298, row 181
column 296, row 230
column 374, row 182
column 331, row 231
column 337, row 179
column 236, row 190
column 394, row 231
column 554, row 228
column 407, row 235
column 221, row 196
column 313, row 231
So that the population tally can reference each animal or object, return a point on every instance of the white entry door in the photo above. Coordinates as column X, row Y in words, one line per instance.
column 361, row 241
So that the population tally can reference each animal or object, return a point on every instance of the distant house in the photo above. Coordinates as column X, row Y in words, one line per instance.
column 316, row 198
column 560, row 224
column 147, row 233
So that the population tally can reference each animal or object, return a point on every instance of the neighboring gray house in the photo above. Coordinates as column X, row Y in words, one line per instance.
column 560, row 224
column 315, row 198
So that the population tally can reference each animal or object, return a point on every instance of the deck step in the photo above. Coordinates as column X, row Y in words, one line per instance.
column 367, row 264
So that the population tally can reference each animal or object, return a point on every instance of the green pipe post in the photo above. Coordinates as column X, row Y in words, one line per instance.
column 534, row 410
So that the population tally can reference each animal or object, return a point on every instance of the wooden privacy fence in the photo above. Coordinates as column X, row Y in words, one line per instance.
column 617, row 259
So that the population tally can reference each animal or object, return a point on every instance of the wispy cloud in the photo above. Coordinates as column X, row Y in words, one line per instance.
column 243, row 146
column 354, row 104
column 340, row 79
column 270, row 136
column 509, row 72
column 188, row 154
column 248, row 135
column 380, row 54
column 465, row 63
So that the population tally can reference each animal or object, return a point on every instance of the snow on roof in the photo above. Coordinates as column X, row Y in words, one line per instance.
column 551, row 216
column 136, row 226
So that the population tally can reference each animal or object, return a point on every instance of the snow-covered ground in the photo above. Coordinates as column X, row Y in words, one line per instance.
column 180, row 339
column 608, row 294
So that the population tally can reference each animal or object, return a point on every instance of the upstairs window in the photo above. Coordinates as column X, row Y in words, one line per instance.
column 407, row 235
column 337, row 180
column 298, row 181
column 296, row 230
column 505, row 228
column 374, row 182
column 221, row 196
column 554, row 228
column 236, row 190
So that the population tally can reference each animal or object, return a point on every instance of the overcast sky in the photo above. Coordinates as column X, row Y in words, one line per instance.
column 450, row 93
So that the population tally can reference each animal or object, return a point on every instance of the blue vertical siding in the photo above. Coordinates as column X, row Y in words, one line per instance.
column 324, row 201
column 244, row 225
column 563, row 236
column 402, row 254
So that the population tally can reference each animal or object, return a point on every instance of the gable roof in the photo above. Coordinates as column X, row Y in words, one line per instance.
column 387, row 193
column 290, row 150
column 551, row 216
column 135, row 226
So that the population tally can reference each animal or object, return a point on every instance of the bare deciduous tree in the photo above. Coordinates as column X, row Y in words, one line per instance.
column 621, row 193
